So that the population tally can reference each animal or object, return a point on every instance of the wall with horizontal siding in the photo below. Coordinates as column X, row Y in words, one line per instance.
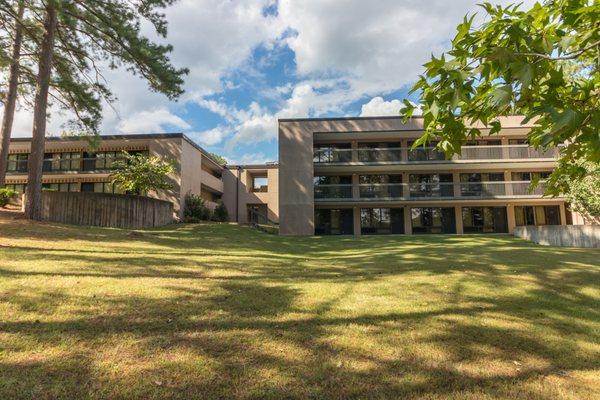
column 107, row 210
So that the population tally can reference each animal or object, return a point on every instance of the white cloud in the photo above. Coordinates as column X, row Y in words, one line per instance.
column 151, row 121
column 249, row 158
column 210, row 137
column 379, row 107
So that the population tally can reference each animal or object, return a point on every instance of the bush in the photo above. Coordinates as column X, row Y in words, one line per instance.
column 5, row 196
column 220, row 214
column 195, row 209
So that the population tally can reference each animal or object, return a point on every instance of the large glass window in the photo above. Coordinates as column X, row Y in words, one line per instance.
column 333, row 186
column 530, row 176
column 334, row 221
column 100, row 187
column 428, row 153
column 380, row 186
column 61, row 187
column 433, row 220
column 482, row 184
column 484, row 220
column 17, row 163
column 379, row 152
column 537, row 215
column 431, row 185
column 65, row 161
column 381, row 220
column 332, row 153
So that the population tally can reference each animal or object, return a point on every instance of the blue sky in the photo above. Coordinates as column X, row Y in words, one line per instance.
column 253, row 61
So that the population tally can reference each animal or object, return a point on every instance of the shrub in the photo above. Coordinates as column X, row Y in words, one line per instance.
column 220, row 214
column 195, row 209
column 5, row 196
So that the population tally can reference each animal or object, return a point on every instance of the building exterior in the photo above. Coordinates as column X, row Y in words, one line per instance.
column 359, row 176
column 70, row 164
column 251, row 193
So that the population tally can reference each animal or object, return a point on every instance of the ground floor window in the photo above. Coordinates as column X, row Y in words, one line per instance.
column 537, row 215
column 333, row 221
column 17, row 187
column 433, row 220
column 100, row 187
column 381, row 221
column 61, row 187
column 484, row 220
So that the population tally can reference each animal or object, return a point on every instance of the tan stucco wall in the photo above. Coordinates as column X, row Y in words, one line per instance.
column 246, row 196
column 169, row 149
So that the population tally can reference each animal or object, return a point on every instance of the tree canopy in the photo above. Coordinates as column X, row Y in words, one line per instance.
column 543, row 63
column 140, row 174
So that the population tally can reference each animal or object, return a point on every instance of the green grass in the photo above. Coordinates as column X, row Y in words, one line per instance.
column 219, row 311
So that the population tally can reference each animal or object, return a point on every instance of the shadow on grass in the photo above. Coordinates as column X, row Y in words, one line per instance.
column 247, row 334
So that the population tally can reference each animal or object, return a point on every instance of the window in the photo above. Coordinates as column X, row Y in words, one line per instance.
column 66, row 161
column 61, row 187
column 433, row 220
column 329, row 153
column 537, row 215
column 431, row 185
column 334, row 221
column 260, row 184
column 381, row 220
column 17, row 187
column 100, row 187
column 17, row 163
column 378, row 152
column 484, row 220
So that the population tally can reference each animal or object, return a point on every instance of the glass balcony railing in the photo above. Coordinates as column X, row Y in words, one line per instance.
column 430, row 154
column 429, row 190
column 333, row 191
column 381, row 191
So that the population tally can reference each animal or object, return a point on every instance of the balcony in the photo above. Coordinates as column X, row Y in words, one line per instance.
column 402, row 155
column 69, row 165
column 428, row 191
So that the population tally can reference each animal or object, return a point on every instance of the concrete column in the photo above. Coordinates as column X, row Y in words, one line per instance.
column 456, row 180
column 505, row 150
column 407, row 221
column 459, row 222
column 405, row 186
column 404, row 151
column 508, row 189
column 354, row 145
column 510, row 217
column 563, row 214
column 355, row 188
column 357, row 221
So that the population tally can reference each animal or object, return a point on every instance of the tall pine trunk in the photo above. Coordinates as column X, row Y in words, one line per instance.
column 11, row 98
column 33, row 203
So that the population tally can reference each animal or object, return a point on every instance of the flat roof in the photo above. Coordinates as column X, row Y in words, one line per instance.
column 170, row 135
column 254, row 166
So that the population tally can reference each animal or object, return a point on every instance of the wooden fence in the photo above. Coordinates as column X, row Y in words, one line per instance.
column 107, row 210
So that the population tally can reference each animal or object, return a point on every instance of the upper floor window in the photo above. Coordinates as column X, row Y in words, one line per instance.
column 65, row 161
column 17, row 163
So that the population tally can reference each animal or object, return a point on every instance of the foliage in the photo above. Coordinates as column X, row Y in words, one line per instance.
column 543, row 63
column 583, row 194
column 139, row 174
column 89, row 35
column 6, row 195
column 219, row 159
column 220, row 213
column 195, row 209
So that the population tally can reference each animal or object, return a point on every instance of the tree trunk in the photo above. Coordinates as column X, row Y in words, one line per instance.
column 11, row 98
column 33, row 199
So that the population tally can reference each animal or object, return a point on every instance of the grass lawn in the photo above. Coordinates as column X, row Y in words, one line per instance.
column 219, row 311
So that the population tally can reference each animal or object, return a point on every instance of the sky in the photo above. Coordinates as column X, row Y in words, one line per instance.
column 254, row 61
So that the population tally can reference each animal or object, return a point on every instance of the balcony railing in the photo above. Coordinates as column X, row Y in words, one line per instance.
column 65, row 165
column 381, row 191
column 333, row 191
column 430, row 154
column 429, row 190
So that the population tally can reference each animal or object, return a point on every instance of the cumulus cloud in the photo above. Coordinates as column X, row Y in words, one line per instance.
column 152, row 121
column 377, row 106
column 210, row 137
